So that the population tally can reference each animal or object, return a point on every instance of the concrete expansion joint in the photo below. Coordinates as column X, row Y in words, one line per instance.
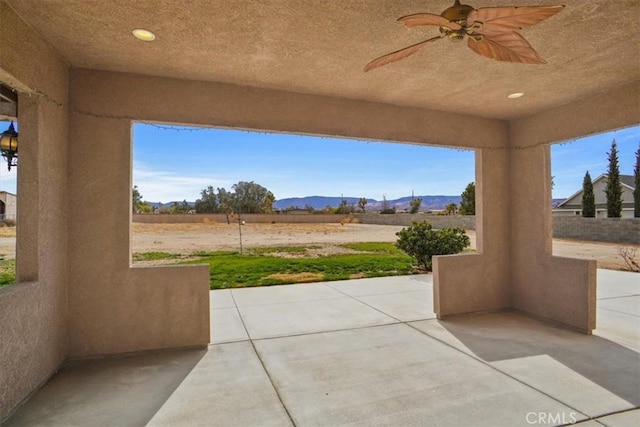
column 304, row 334
column 489, row 365
column 264, row 367
column 370, row 306
column 608, row 414
column 284, row 303
column 620, row 297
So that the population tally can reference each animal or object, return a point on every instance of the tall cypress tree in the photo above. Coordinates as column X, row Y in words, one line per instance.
column 468, row 202
column 614, row 187
column 636, row 192
column 588, row 198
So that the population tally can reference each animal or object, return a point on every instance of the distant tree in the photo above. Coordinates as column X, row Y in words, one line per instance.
column 468, row 202
column 451, row 209
column 362, row 203
column 415, row 205
column 208, row 201
column 226, row 203
column 145, row 208
column 175, row 208
column 386, row 206
column 636, row 192
column 136, row 199
column 343, row 207
column 614, row 187
column 309, row 208
column 267, row 202
column 588, row 198
column 250, row 197
column 179, row 208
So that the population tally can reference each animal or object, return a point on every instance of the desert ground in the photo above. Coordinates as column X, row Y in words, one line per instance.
column 189, row 238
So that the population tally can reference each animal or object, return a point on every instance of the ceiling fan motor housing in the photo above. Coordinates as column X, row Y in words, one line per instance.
column 457, row 13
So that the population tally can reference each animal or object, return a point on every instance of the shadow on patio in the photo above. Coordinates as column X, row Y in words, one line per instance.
column 364, row 352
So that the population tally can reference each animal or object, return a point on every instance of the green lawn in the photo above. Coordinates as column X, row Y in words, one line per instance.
column 7, row 272
column 279, row 265
column 261, row 268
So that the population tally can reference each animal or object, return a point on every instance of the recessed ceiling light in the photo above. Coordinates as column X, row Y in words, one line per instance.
column 144, row 35
column 515, row 95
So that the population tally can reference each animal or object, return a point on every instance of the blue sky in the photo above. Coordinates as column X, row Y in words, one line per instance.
column 177, row 164
column 570, row 160
column 296, row 166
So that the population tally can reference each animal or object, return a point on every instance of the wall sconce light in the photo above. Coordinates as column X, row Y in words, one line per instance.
column 9, row 146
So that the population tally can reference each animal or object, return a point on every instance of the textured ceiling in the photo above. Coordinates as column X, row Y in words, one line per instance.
column 321, row 47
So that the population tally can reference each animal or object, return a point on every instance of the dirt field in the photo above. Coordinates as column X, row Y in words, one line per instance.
column 188, row 238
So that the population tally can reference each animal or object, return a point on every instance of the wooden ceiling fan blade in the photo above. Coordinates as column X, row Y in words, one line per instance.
column 507, row 47
column 497, row 19
column 428, row 19
column 397, row 55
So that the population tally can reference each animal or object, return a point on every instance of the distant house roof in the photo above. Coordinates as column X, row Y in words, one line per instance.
column 629, row 181
column 625, row 180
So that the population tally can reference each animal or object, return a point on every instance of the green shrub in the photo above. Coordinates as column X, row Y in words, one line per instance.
column 422, row 242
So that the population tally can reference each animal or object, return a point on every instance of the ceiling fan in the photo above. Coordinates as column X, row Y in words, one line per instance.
column 491, row 31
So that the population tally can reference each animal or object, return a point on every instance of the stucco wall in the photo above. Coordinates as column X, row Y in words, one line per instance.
column 226, row 105
column 480, row 282
column 250, row 218
column 114, row 308
column 104, row 302
column 557, row 289
column 467, row 222
column 33, row 312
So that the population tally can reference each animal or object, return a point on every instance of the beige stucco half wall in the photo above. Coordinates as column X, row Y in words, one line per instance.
column 77, row 294
column 33, row 313
column 515, row 268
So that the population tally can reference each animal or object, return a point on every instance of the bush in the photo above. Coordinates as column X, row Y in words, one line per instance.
column 422, row 242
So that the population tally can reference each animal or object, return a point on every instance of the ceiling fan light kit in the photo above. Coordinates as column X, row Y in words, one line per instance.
column 490, row 31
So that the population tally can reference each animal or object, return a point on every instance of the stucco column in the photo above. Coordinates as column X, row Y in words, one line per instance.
column 480, row 282
column 514, row 267
column 29, row 190
column 114, row 307
column 553, row 288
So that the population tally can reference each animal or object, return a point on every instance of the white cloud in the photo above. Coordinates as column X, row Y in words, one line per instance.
column 8, row 179
column 165, row 186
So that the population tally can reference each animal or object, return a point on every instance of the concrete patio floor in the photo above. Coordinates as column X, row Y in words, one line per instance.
column 364, row 352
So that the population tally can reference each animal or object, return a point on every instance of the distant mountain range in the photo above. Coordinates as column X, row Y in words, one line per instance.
column 320, row 202
column 434, row 203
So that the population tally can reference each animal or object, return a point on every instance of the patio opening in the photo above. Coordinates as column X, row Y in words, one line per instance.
column 581, row 216
column 336, row 203
column 8, row 212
